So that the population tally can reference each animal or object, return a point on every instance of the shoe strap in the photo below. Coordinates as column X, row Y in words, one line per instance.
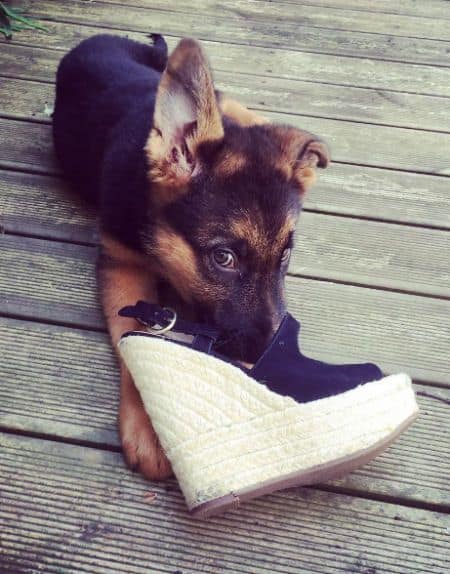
column 151, row 314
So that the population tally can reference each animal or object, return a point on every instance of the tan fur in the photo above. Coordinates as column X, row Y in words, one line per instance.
column 178, row 264
column 249, row 228
column 170, row 177
column 178, row 261
column 239, row 113
column 124, row 279
column 189, row 64
column 229, row 163
column 185, row 96
column 300, row 154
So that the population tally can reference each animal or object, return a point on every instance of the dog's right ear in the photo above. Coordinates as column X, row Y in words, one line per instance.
column 186, row 115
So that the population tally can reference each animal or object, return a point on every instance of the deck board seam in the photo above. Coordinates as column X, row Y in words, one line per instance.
column 43, row 121
column 257, row 20
column 393, row 500
column 374, row 11
column 247, row 45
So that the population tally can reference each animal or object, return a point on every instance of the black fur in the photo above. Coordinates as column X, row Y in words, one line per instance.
column 105, row 97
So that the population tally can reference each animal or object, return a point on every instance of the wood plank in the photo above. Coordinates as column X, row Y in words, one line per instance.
column 27, row 100
column 380, row 146
column 54, row 281
column 88, row 515
column 24, row 99
column 372, row 254
column 341, row 323
column 38, row 63
column 384, row 194
column 28, row 146
column 64, row 382
column 338, row 102
column 428, row 9
column 307, row 14
column 259, row 33
column 58, row 381
column 44, row 206
column 356, row 251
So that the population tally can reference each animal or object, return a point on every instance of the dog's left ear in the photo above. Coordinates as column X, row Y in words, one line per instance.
column 301, row 153
column 186, row 115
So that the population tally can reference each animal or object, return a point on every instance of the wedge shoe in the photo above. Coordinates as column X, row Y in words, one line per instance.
column 232, row 433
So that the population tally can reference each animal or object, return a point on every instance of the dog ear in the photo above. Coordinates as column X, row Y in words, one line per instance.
column 301, row 153
column 312, row 155
column 186, row 115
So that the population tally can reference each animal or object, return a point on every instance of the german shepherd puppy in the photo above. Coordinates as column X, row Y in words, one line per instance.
column 198, row 199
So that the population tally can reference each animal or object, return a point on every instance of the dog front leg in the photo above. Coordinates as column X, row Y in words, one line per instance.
column 124, row 278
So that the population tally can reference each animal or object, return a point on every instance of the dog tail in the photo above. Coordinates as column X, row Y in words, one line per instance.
column 159, row 52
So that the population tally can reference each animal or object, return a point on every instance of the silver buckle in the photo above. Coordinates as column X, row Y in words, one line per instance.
column 161, row 330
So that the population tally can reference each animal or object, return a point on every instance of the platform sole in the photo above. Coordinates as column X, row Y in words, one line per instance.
column 319, row 474
column 229, row 438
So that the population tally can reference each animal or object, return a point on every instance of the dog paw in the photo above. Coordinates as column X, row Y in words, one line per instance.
column 140, row 443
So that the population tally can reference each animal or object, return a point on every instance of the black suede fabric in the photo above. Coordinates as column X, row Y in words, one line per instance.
column 282, row 367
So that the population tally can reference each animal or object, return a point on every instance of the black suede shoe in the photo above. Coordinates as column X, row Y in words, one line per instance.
column 282, row 367
column 233, row 433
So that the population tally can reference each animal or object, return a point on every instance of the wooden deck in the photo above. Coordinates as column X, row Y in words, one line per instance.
column 370, row 279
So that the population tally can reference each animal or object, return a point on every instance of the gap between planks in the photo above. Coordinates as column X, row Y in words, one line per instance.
column 83, row 410
column 27, row 145
column 56, row 283
column 300, row 522
column 301, row 38
column 416, row 79
column 425, row 9
column 33, row 101
column 305, row 14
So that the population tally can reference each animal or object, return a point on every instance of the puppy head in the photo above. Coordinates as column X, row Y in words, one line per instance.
column 227, row 199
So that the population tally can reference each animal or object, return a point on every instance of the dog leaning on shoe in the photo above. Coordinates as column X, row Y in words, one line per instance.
column 198, row 199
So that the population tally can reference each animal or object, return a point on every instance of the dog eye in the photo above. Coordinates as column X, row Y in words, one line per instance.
column 286, row 255
column 224, row 258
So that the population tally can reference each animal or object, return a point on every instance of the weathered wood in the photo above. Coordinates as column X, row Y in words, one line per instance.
column 28, row 146
column 385, row 194
column 307, row 14
column 428, row 9
column 343, row 249
column 338, row 102
column 108, row 528
column 58, row 381
column 261, row 33
column 341, row 323
column 35, row 62
column 77, row 510
column 367, row 144
column 44, row 206
column 64, row 382
column 54, row 281
column 23, row 99
column 373, row 254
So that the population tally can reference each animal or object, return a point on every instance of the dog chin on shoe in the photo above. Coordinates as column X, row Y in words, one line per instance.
column 227, row 199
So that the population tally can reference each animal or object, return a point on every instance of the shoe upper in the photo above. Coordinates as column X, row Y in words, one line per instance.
column 286, row 371
column 282, row 367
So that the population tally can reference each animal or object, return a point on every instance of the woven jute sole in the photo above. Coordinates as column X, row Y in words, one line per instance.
column 229, row 438
column 321, row 473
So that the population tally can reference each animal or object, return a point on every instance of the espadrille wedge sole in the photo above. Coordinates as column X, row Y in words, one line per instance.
column 331, row 471
column 229, row 438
